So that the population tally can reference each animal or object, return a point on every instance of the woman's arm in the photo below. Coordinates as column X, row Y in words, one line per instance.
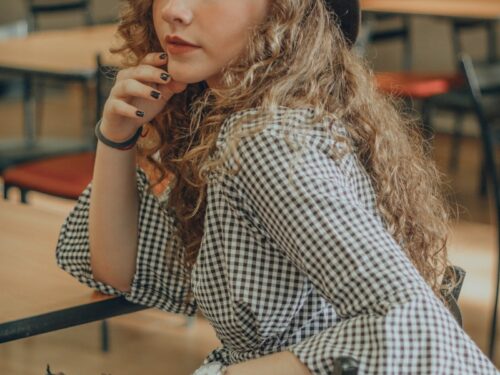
column 160, row 276
column 113, row 216
column 119, row 238
column 390, row 320
column 138, row 95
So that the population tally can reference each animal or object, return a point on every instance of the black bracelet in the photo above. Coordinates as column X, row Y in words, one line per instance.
column 126, row 145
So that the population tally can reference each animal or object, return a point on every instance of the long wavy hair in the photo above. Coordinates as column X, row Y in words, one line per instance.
column 296, row 58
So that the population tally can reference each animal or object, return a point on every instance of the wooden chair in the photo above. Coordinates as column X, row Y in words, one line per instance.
column 61, row 176
column 433, row 91
column 458, row 101
column 407, row 84
column 483, row 81
column 64, row 176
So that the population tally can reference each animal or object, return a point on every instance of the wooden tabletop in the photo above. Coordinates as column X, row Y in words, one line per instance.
column 483, row 9
column 36, row 296
column 32, row 283
column 60, row 51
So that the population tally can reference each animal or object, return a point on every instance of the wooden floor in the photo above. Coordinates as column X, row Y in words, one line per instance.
column 152, row 342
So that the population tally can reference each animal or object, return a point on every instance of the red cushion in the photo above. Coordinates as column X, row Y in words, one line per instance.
column 416, row 85
column 62, row 176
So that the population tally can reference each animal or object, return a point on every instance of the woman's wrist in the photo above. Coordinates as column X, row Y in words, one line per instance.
column 115, row 133
column 121, row 143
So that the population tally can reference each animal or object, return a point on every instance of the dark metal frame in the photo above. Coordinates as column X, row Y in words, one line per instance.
column 30, row 146
column 66, row 318
column 37, row 8
column 482, row 81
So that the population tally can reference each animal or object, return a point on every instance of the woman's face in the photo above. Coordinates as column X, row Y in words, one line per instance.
column 218, row 27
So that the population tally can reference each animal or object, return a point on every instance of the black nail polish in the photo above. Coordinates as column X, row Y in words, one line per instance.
column 163, row 56
column 155, row 94
column 140, row 113
column 164, row 76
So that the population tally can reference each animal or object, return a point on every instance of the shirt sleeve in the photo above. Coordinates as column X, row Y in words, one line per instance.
column 390, row 320
column 159, row 278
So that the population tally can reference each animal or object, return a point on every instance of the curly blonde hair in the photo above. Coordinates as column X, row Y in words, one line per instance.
column 296, row 58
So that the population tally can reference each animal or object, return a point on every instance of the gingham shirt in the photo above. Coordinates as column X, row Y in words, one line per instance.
column 295, row 256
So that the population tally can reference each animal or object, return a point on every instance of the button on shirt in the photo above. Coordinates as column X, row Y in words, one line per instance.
column 295, row 256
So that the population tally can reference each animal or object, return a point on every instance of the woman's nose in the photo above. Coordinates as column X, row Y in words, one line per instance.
column 177, row 11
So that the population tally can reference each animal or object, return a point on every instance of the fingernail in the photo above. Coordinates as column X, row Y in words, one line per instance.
column 164, row 76
column 163, row 56
column 140, row 113
column 155, row 94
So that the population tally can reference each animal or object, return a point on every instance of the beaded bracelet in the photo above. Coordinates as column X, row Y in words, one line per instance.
column 126, row 145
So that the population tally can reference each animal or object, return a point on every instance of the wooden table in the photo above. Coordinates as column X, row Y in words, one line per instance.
column 36, row 296
column 58, row 53
column 68, row 55
column 480, row 9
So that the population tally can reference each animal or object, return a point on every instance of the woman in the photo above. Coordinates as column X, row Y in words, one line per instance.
column 302, row 217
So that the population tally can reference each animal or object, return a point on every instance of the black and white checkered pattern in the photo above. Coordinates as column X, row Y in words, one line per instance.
column 294, row 257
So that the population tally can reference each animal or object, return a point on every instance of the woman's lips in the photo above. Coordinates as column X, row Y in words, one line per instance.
column 176, row 49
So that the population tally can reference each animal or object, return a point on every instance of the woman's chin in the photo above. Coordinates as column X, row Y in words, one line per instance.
column 180, row 75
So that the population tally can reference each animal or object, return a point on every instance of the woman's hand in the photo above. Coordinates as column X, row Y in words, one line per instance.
column 138, row 95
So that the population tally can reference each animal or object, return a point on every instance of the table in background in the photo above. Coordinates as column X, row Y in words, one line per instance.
column 481, row 9
column 66, row 55
column 35, row 294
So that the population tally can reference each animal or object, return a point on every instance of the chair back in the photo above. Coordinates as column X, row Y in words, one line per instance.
column 39, row 8
column 374, row 31
column 483, row 81
column 490, row 29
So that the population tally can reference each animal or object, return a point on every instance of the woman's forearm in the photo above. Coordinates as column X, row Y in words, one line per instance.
column 282, row 363
column 113, row 217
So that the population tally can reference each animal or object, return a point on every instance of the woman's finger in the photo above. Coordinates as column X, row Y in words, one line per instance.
column 155, row 59
column 119, row 107
column 131, row 88
column 145, row 73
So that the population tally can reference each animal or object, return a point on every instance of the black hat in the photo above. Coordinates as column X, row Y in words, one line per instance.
column 348, row 14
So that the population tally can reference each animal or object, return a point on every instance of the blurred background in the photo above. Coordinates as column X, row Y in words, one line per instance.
column 415, row 57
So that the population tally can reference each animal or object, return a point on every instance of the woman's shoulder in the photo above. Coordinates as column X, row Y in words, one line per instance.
column 295, row 124
column 284, row 136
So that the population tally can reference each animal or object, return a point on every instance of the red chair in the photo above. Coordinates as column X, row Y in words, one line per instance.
column 61, row 176
column 419, row 86
column 433, row 91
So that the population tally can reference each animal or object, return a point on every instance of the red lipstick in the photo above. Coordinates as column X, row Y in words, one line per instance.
column 174, row 39
column 177, row 45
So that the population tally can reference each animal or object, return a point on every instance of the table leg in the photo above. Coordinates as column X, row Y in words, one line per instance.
column 492, row 42
column 86, row 95
column 29, row 109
